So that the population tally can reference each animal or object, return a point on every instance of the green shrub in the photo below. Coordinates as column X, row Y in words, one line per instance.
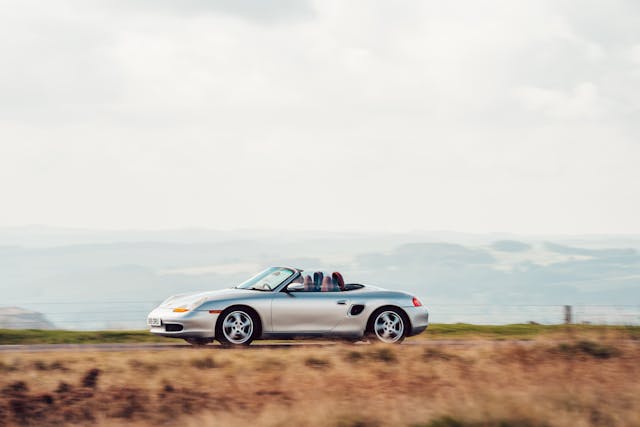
column 448, row 421
column 589, row 348
column 314, row 362
column 384, row 354
column 143, row 366
column 53, row 366
column 435, row 354
column 358, row 421
column 5, row 367
column 204, row 363
column 354, row 356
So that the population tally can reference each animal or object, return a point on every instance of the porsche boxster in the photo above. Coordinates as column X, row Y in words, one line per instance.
column 285, row 302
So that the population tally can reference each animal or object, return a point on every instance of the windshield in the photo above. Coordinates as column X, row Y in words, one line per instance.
column 268, row 279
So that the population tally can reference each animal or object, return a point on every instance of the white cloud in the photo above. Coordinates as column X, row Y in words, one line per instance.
column 582, row 101
column 634, row 54
column 379, row 115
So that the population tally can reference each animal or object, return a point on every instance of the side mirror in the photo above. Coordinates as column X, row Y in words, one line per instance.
column 295, row 287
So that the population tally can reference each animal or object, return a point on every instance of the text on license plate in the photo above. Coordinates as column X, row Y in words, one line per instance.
column 154, row 321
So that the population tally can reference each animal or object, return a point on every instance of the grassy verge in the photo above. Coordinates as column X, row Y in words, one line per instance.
column 526, row 331
column 38, row 336
column 435, row 331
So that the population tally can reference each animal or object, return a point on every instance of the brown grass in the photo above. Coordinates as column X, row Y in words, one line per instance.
column 570, row 383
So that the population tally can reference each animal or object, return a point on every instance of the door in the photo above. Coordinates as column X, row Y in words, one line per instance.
column 308, row 312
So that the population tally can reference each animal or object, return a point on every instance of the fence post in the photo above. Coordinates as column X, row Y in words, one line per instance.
column 568, row 317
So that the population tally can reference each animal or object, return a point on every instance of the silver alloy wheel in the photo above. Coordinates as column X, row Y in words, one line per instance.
column 237, row 327
column 389, row 327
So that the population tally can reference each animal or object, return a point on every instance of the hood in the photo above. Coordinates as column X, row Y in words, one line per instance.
column 193, row 300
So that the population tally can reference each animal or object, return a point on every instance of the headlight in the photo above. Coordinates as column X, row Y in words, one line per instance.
column 189, row 307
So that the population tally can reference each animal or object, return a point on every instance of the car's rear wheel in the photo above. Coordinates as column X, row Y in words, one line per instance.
column 237, row 326
column 388, row 325
column 198, row 342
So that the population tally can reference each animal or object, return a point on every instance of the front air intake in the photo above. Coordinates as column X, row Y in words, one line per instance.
column 172, row 327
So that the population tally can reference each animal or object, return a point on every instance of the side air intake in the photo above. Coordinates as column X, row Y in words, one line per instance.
column 356, row 309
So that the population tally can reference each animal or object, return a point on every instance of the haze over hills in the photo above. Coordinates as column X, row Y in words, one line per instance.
column 18, row 318
column 80, row 278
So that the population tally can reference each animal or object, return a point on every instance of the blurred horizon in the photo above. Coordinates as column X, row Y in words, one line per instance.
column 92, row 279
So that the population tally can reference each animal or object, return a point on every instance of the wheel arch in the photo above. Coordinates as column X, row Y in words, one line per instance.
column 247, row 308
column 374, row 313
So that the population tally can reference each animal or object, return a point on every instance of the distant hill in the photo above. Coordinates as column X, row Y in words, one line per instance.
column 98, row 279
column 19, row 318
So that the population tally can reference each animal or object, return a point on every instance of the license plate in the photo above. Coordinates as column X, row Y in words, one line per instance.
column 154, row 321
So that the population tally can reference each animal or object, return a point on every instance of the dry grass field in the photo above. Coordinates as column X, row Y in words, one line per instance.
column 575, row 381
column 436, row 331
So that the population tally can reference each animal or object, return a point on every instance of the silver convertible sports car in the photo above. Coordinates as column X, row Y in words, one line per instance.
column 283, row 302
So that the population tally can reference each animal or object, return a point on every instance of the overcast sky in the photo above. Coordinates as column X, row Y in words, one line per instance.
column 329, row 115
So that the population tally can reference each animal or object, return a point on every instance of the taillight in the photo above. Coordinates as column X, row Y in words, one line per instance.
column 416, row 302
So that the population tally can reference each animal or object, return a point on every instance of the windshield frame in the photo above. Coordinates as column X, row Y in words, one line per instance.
column 252, row 281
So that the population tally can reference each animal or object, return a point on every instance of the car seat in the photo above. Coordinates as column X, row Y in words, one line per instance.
column 338, row 280
column 327, row 285
column 317, row 280
column 308, row 284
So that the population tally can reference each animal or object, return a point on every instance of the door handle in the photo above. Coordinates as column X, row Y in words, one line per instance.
column 342, row 301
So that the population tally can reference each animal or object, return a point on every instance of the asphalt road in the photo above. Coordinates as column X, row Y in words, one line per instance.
column 43, row 348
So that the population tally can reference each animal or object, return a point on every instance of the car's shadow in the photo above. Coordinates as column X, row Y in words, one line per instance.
column 256, row 346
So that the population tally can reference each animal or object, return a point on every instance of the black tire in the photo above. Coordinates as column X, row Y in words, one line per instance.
column 198, row 342
column 381, row 327
column 230, row 330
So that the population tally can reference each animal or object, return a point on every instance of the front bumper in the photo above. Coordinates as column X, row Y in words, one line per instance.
column 419, row 318
column 194, row 324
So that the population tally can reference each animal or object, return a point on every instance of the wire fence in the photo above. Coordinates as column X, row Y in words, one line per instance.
column 122, row 315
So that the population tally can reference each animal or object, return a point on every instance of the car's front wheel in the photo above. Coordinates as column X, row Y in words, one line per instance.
column 238, row 326
column 388, row 325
